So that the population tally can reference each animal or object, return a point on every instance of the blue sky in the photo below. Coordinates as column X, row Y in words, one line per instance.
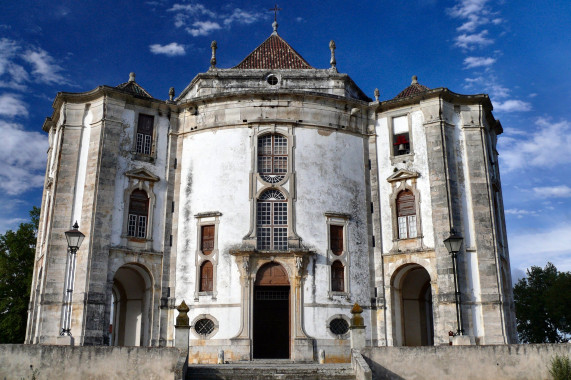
column 517, row 52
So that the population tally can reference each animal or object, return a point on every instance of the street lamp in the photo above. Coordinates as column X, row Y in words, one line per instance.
column 453, row 244
column 74, row 239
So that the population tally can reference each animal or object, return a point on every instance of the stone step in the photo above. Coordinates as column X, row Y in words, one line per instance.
column 268, row 370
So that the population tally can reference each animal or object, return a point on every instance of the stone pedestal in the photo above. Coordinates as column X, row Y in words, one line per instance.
column 182, row 328
column 357, row 328
column 461, row 340
column 64, row 340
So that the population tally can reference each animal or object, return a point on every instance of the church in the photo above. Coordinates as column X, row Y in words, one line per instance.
column 270, row 198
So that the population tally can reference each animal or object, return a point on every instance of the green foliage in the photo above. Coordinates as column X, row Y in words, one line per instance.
column 17, row 252
column 560, row 368
column 543, row 305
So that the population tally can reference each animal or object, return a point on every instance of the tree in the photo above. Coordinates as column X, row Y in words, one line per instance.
column 543, row 305
column 17, row 252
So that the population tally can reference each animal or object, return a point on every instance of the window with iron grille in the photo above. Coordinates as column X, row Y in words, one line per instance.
column 336, row 239
column 207, row 239
column 272, row 157
column 204, row 327
column 339, row 326
column 145, row 134
column 337, row 277
column 138, row 214
column 406, row 213
column 206, row 277
column 271, row 220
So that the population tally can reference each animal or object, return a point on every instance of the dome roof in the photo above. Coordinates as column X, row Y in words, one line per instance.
column 413, row 89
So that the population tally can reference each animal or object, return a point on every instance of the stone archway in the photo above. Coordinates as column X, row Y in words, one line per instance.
column 271, row 322
column 412, row 307
column 130, row 306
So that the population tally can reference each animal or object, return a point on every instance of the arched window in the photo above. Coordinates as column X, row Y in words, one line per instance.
column 138, row 214
column 337, row 277
column 272, row 157
column 272, row 221
column 206, row 277
column 406, row 212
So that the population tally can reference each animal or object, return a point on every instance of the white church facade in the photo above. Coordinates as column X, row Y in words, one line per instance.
column 271, row 197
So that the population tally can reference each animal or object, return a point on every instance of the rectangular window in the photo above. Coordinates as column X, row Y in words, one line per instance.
column 336, row 239
column 145, row 134
column 207, row 240
column 142, row 227
column 132, row 227
column 401, row 139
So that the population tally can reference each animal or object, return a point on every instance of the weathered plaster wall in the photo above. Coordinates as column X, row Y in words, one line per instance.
column 127, row 161
column 417, row 163
column 330, row 178
column 506, row 362
column 109, row 363
column 215, row 167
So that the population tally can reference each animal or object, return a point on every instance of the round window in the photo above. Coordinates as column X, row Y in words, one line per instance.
column 204, row 326
column 272, row 80
column 339, row 326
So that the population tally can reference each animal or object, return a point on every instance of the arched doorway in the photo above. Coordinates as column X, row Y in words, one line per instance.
column 130, row 303
column 412, row 311
column 271, row 338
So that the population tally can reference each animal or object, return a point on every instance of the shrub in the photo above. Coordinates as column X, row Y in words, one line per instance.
column 560, row 368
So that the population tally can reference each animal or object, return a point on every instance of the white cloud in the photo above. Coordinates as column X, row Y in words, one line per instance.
column 23, row 157
column 471, row 62
column 11, row 106
column 537, row 248
column 44, row 67
column 488, row 84
column 547, row 146
column 203, row 28
column 519, row 213
column 512, row 105
column 198, row 20
column 242, row 17
column 561, row 191
column 10, row 224
column 471, row 41
column 173, row 49
column 12, row 75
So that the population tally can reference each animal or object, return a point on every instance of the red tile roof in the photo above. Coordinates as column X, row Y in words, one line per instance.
column 413, row 89
column 133, row 87
column 274, row 53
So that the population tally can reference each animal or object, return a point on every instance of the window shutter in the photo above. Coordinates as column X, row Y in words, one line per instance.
column 139, row 203
column 336, row 239
column 206, row 277
column 337, row 277
column 145, row 125
column 207, row 240
column 405, row 203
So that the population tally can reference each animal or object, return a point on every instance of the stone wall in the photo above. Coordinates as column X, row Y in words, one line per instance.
column 529, row 361
column 109, row 363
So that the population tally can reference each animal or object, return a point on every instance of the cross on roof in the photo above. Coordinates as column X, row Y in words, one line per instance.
column 275, row 9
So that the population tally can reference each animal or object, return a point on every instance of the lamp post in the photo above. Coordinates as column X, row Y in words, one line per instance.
column 453, row 244
column 74, row 238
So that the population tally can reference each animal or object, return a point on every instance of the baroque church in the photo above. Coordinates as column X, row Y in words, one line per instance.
column 270, row 198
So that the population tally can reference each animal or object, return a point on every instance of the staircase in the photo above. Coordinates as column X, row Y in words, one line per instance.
column 270, row 370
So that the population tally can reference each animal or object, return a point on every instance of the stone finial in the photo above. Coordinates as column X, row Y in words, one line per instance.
column 377, row 94
column 171, row 93
column 131, row 77
column 182, row 319
column 414, row 79
column 357, row 320
column 213, row 46
column 333, row 62
column 275, row 26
